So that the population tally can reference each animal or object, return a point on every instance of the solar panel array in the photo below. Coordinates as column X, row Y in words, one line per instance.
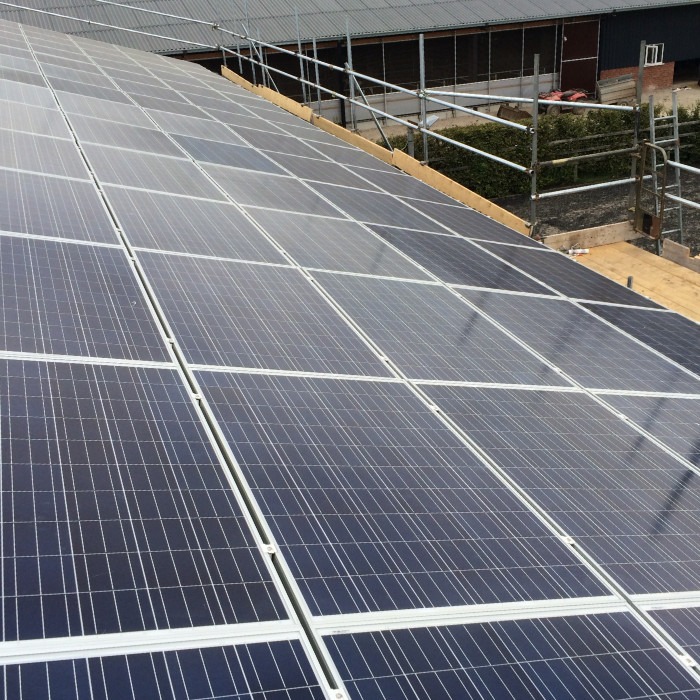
column 277, row 421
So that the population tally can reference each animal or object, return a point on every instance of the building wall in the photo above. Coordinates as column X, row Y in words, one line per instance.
column 675, row 27
column 655, row 77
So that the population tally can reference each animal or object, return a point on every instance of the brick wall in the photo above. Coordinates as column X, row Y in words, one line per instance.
column 655, row 77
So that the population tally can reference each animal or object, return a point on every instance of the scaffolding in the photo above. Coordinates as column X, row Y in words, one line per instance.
column 255, row 53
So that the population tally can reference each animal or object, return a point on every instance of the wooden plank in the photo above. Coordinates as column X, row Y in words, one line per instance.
column 592, row 237
column 665, row 282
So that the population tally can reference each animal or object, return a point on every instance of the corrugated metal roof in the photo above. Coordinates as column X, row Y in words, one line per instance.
column 275, row 20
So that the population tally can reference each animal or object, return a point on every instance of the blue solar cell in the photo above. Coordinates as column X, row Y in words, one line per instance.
column 119, row 166
column 182, row 224
column 334, row 244
column 269, row 191
column 568, row 276
column 117, row 515
column 683, row 624
column 470, row 223
column 234, row 155
column 41, row 154
column 593, row 353
column 673, row 420
column 634, row 508
column 377, row 505
column 673, row 335
column 73, row 299
column 375, row 207
column 430, row 334
column 264, row 671
column 51, row 206
column 599, row 657
column 242, row 315
column 456, row 260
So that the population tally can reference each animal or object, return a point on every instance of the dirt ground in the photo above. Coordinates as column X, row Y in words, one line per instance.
column 610, row 205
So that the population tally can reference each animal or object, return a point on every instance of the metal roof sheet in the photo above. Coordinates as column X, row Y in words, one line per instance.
column 276, row 20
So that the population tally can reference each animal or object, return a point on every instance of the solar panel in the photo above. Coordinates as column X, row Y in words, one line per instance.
column 469, row 223
column 596, row 658
column 334, row 244
column 430, row 334
column 49, row 206
column 242, row 315
column 255, row 429
column 593, row 353
column 227, row 154
column 118, row 166
column 137, row 138
column 673, row 420
column 41, row 154
column 684, row 625
column 269, row 191
column 377, row 505
column 457, row 261
column 218, row 673
column 627, row 502
column 671, row 334
column 67, row 299
column 168, row 222
column 568, row 276
column 375, row 207
column 121, row 517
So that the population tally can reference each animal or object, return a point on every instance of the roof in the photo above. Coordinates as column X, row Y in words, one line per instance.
column 276, row 20
column 278, row 421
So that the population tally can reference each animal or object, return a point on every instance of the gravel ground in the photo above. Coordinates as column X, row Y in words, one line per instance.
column 606, row 206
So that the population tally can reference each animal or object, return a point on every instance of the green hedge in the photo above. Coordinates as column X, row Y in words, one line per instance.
column 595, row 131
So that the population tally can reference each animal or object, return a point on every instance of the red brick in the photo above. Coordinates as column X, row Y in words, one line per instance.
column 655, row 77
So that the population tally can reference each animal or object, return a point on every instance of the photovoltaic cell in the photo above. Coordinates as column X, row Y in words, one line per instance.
column 193, row 126
column 280, row 143
column 598, row 657
column 456, row 260
column 430, row 334
column 340, row 153
column 130, row 169
column 41, row 154
column 470, row 223
column 119, row 517
column 593, row 353
column 234, row 155
column 334, row 244
column 28, row 94
column 102, row 93
column 402, row 185
column 569, row 277
column 102, row 109
column 320, row 170
column 270, row 192
column 242, row 315
column 70, row 299
column 181, row 224
column 377, row 504
column 17, row 116
column 50, row 206
column 673, row 335
column 632, row 506
column 22, row 76
column 177, row 107
column 106, row 133
column 276, row 670
column 684, row 625
column 375, row 207
column 674, row 421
